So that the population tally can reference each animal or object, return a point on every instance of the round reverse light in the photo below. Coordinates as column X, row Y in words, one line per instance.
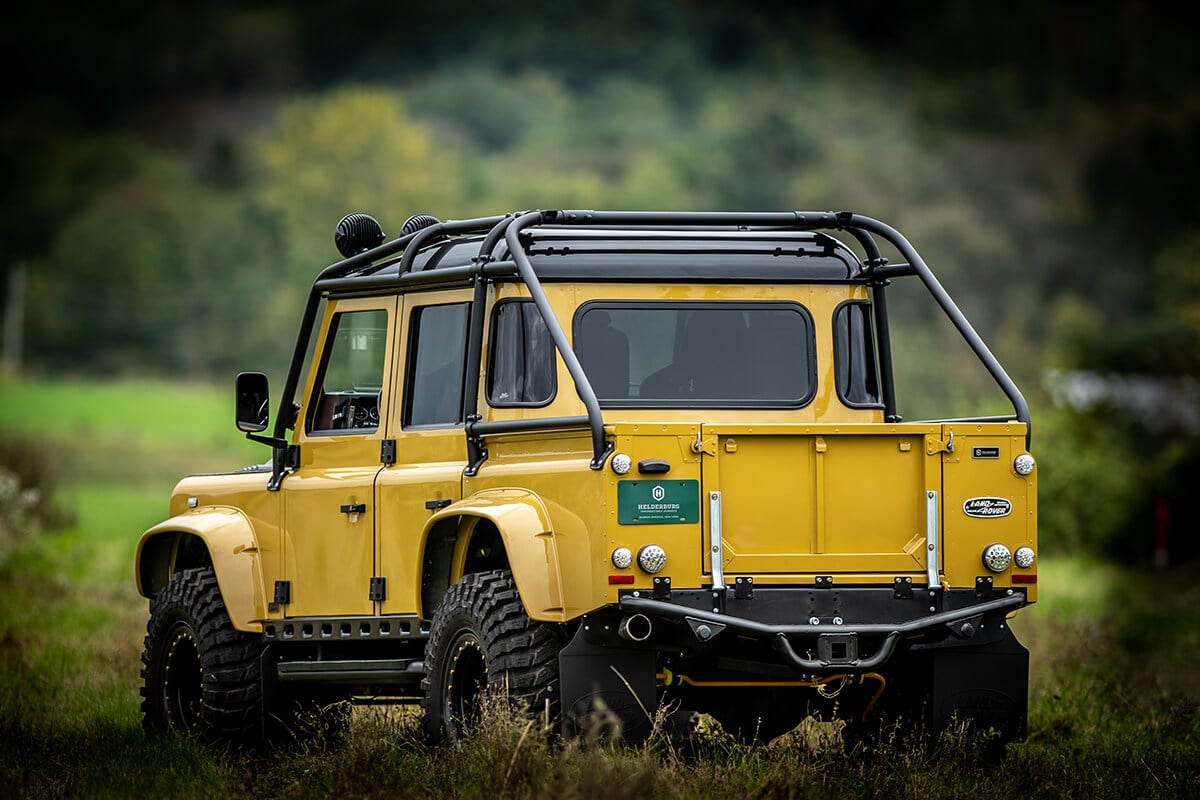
column 997, row 558
column 621, row 463
column 652, row 558
column 1024, row 557
column 1024, row 464
column 622, row 558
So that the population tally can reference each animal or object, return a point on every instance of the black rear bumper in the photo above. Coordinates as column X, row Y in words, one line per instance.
column 835, row 645
column 950, row 653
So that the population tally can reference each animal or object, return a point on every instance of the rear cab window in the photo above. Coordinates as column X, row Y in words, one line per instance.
column 722, row 354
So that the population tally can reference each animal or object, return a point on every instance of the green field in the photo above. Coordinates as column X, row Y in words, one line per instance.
column 1114, row 707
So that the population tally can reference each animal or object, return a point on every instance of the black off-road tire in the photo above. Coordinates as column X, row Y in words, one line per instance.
column 482, row 643
column 199, row 674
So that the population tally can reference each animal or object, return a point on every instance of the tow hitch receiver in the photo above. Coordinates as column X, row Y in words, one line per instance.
column 837, row 648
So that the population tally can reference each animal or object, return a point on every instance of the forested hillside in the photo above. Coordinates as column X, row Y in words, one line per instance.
column 170, row 176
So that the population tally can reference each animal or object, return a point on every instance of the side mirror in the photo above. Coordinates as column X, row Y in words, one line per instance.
column 253, row 402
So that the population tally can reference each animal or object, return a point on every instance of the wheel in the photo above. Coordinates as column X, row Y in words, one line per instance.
column 199, row 674
column 482, row 642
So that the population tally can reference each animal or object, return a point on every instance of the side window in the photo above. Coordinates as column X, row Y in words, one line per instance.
column 347, row 395
column 854, row 355
column 436, row 358
column 521, row 359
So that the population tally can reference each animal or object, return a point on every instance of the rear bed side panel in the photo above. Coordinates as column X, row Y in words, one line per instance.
column 986, row 502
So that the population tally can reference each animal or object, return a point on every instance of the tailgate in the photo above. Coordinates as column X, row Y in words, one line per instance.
column 822, row 499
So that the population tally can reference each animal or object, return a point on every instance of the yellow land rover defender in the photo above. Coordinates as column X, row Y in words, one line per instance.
column 606, row 463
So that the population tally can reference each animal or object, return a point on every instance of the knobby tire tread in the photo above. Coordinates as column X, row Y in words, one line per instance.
column 521, row 653
column 231, row 688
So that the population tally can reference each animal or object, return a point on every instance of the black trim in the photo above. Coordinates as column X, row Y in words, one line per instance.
column 325, row 629
column 475, row 331
column 883, row 352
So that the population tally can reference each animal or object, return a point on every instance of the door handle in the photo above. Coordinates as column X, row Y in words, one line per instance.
column 352, row 510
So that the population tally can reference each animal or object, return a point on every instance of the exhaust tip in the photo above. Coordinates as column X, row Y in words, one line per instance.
column 635, row 628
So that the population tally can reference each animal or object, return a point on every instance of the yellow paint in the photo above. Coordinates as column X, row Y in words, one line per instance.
column 819, row 490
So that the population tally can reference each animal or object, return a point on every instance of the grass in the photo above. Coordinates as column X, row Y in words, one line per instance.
column 1113, row 701
column 135, row 432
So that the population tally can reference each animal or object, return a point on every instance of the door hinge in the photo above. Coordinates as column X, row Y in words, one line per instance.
column 378, row 589
column 706, row 446
column 935, row 445
column 387, row 451
column 283, row 592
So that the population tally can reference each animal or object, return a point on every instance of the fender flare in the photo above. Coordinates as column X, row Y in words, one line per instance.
column 524, row 525
column 228, row 542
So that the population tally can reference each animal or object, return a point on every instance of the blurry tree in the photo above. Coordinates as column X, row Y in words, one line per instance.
column 350, row 150
column 159, row 275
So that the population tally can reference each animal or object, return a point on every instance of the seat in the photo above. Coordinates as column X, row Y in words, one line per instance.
column 710, row 361
column 603, row 352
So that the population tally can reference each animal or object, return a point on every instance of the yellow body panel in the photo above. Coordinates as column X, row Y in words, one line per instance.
column 429, row 469
column 825, row 489
column 966, row 477
column 238, row 521
column 553, row 469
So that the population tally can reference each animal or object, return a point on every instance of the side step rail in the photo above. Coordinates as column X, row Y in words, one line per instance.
column 375, row 672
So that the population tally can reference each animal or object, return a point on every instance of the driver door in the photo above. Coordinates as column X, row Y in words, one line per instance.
column 329, row 547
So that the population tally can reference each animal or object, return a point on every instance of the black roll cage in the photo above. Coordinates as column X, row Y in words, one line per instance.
column 361, row 273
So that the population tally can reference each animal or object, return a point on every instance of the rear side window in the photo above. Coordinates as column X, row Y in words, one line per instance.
column 711, row 354
column 854, row 355
column 521, row 369
column 436, row 361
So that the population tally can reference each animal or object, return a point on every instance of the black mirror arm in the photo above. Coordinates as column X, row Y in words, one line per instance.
column 271, row 440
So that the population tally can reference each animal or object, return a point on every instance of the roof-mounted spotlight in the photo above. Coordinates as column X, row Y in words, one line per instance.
column 416, row 222
column 357, row 233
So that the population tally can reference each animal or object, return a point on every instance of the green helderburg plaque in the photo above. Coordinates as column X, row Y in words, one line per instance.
column 658, row 502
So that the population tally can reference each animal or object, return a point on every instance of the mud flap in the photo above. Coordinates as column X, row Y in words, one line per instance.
column 606, row 690
column 987, row 685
